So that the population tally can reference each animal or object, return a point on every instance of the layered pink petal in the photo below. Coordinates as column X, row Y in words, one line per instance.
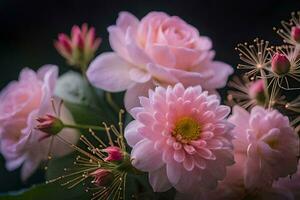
column 110, row 72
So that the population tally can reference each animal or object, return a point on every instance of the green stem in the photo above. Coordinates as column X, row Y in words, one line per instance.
column 82, row 126
column 111, row 102
column 93, row 91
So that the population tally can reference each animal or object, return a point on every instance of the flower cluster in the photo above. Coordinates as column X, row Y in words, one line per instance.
column 266, row 147
column 177, row 131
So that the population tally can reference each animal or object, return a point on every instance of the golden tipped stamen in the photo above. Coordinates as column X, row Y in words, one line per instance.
column 256, row 56
column 102, row 144
column 283, row 80
column 285, row 31
column 107, row 130
column 239, row 93
column 93, row 159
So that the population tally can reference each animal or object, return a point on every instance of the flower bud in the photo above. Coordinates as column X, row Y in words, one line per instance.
column 114, row 154
column 80, row 47
column 295, row 33
column 280, row 64
column 102, row 177
column 257, row 92
column 49, row 124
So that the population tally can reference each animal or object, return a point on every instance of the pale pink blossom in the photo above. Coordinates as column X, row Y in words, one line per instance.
column 21, row 102
column 181, row 137
column 270, row 144
column 233, row 188
column 158, row 50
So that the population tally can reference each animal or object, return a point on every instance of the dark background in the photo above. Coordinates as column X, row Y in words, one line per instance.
column 28, row 29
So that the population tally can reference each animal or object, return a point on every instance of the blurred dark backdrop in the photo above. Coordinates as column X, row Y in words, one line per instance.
column 28, row 29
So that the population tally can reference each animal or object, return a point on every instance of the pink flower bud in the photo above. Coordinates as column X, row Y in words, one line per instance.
column 114, row 154
column 102, row 177
column 280, row 64
column 77, row 38
column 49, row 124
column 257, row 91
column 295, row 33
column 80, row 47
column 63, row 45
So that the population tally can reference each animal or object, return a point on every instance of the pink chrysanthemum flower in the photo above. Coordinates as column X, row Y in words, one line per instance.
column 180, row 136
column 270, row 143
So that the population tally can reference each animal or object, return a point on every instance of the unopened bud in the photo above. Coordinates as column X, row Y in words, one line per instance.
column 114, row 154
column 257, row 92
column 295, row 33
column 280, row 64
column 102, row 177
column 80, row 47
column 49, row 124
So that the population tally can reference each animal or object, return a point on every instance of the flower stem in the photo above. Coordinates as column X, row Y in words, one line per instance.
column 82, row 126
column 111, row 102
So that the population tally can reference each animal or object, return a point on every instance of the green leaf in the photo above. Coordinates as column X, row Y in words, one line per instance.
column 86, row 103
column 73, row 88
column 46, row 192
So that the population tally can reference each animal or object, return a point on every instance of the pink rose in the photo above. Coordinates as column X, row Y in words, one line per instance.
column 21, row 102
column 158, row 50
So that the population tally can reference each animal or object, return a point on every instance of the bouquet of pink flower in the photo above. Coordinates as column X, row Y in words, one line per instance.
column 176, row 139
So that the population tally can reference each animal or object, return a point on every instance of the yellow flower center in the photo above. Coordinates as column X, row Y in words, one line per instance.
column 187, row 128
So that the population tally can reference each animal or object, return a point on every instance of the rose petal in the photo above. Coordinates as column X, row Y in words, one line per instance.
column 110, row 72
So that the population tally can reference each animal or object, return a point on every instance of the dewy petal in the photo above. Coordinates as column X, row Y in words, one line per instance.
column 159, row 180
column 143, row 159
column 110, row 72
column 131, row 134
column 132, row 95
